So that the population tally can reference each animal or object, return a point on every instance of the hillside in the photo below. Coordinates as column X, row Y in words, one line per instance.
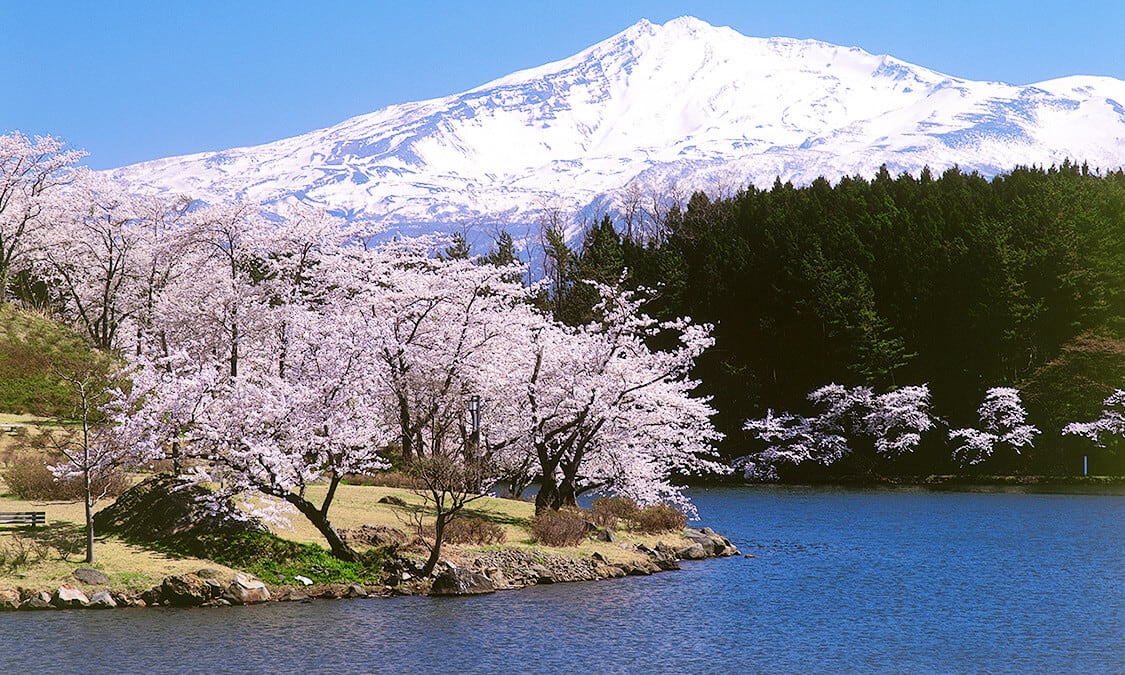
column 32, row 349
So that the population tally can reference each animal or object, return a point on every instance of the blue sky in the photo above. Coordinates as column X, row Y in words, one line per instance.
column 135, row 80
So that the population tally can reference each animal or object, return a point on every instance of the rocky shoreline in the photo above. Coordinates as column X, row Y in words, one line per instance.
column 478, row 573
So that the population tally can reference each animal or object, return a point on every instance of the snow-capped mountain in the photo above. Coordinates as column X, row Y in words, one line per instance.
column 677, row 107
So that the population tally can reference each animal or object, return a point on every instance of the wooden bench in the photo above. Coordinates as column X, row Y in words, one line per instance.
column 31, row 518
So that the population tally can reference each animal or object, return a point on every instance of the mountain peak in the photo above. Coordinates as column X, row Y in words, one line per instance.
column 658, row 108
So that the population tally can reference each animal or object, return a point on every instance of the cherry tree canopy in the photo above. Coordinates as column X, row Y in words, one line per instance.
column 1002, row 424
column 1111, row 423
column 894, row 421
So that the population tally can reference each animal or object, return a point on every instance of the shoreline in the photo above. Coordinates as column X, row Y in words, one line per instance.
column 479, row 573
column 969, row 482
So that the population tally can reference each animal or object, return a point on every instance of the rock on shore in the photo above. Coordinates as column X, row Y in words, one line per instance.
column 482, row 572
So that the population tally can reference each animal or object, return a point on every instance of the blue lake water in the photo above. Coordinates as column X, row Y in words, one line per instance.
column 904, row 580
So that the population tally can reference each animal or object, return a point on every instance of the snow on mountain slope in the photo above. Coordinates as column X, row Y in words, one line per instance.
column 682, row 106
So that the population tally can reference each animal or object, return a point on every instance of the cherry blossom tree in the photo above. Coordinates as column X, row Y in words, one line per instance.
column 288, row 355
column 32, row 170
column 90, row 449
column 89, row 254
column 164, row 256
column 599, row 409
column 438, row 330
column 1002, row 424
column 894, row 422
column 1111, row 423
column 259, row 380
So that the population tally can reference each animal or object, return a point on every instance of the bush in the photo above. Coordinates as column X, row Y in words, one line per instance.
column 390, row 479
column 33, row 480
column 18, row 552
column 473, row 531
column 605, row 508
column 658, row 518
column 559, row 528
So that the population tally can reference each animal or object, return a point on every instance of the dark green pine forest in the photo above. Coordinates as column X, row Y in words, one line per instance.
column 956, row 280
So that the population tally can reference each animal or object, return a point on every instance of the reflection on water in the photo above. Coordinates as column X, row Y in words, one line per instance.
column 842, row 580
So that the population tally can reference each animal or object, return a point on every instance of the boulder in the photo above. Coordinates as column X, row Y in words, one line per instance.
column 184, row 590
column 496, row 576
column 152, row 596
column 91, row 576
column 102, row 600
column 331, row 593
column 40, row 600
column 293, row 595
column 9, row 600
column 214, row 588
column 693, row 552
column 393, row 500
column 246, row 590
column 209, row 573
column 606, row 534
column 68, row 596
column 461, row 581
column 355, row 591
column 542, row 574
column 304, row 581
column 713, row 544
column 609, row 572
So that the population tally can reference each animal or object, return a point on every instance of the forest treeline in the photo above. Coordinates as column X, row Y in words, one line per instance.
column 956, row 280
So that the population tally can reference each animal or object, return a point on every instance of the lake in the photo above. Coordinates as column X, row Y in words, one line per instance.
column 843, row 580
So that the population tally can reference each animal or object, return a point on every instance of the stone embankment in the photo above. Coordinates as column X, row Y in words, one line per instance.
column 202, row 589
column 481, row 572
column 505, row 569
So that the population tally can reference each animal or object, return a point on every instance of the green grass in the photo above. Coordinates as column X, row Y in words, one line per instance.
column 275, row 560
column 31, row 346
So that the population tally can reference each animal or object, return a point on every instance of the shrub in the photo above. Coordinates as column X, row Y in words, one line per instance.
column 18, row 552
column 617, row 507
column 33, row 480
column 559, row 528
column 473, row 531
column 658, row 518
column 390, row 479
column 469, row 531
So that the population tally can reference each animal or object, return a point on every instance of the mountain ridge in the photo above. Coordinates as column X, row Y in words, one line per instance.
column 677, row 107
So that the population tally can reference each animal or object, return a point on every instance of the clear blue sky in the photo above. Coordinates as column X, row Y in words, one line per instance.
column 132, row 80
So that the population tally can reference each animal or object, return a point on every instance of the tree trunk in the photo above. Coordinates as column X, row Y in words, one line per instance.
column 339, row 547
column 89, row 519
column 568, row 494
column 435, row 552
column 548, row 497
column 405, row 431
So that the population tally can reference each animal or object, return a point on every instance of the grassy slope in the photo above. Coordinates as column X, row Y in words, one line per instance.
column 31, row 345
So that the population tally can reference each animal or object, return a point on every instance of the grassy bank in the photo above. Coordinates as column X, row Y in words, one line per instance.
column 291, row 549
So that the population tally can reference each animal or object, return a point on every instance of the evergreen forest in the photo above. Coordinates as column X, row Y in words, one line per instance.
column 956, row 281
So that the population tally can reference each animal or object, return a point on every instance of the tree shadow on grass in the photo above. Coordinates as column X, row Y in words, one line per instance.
column 467, row 512
column 27, row 545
